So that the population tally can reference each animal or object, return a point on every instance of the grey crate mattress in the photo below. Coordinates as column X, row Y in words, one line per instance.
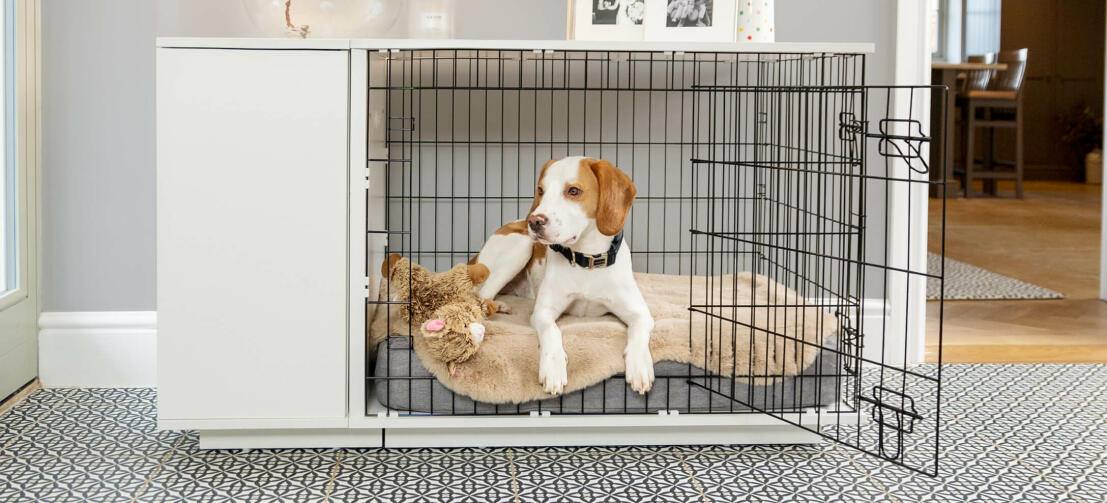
column 412, row 388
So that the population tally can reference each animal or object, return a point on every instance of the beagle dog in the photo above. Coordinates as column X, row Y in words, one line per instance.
column 570, row 256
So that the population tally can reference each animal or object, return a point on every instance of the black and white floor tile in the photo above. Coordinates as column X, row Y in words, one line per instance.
column 602, row 474
column 236, row 476
column 1035, row 433
column 423, row 475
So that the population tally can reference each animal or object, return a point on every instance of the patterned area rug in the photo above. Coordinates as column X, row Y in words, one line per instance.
column 968, row 282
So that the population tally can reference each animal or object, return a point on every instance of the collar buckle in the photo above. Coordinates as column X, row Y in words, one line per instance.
column 595, row 261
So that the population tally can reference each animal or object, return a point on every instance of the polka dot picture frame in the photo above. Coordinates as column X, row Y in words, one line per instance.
column 755, row 21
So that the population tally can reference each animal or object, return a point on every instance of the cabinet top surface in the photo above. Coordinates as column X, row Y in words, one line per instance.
column 526, row 45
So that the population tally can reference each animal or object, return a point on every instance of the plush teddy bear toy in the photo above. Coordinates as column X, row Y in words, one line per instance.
column 445, row 305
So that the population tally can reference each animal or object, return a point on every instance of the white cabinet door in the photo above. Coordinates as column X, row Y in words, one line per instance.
column 252, row 221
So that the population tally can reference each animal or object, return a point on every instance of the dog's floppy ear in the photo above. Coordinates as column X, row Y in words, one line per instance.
column 616, row 195
column 386, row 266
column 478, row 273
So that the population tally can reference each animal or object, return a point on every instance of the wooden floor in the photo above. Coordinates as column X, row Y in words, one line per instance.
column 1051, row 238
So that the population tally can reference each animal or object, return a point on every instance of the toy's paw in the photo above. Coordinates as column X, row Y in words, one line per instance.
column 639, row 370
column 477, row 329
column 434, row 325
column 552, row 371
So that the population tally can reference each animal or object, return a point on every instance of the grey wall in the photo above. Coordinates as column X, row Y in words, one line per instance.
column 476, row 19
column 98, row 155
column 844, row 21
column 98, row 118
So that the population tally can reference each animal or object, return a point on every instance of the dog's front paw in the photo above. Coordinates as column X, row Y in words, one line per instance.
column 490, row 307
column 639, row 370
column 551, row 371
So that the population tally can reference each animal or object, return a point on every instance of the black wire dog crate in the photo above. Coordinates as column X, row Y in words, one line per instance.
column 786, row 196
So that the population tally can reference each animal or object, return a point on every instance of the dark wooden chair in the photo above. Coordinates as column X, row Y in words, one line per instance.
column 973, row 80
column 997, row 106
column 977, row 80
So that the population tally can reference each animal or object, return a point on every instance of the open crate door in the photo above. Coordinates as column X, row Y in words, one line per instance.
column 821, row 191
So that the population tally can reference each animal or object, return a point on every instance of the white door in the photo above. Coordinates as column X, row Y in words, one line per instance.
column 18, row 183
column 252, row 221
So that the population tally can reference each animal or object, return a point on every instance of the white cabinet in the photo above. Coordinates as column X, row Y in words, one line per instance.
column 252, row 238
column 265, row 151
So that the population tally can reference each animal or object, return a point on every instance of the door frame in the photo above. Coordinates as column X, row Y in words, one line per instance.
column 26, row 170
column 1103, row 216
column 19, row 308
column 907, row 305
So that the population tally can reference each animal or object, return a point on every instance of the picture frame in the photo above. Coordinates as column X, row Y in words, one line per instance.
column 607, row 19
column 691, row 20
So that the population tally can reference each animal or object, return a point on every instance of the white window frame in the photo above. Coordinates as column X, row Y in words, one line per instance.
column 22, row 147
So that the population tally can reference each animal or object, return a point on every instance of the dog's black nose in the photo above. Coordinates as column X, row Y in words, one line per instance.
column 537, row 222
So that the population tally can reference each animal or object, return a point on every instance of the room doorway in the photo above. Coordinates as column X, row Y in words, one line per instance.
column 1023, row 275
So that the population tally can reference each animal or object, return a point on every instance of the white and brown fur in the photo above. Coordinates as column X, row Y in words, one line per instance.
column 580, row 203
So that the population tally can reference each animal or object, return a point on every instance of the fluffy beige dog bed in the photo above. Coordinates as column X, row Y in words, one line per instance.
column 505, row 369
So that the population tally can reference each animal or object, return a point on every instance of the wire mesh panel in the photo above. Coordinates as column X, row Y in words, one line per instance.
column 468, row 131
column 779, row 186
column 825, row 200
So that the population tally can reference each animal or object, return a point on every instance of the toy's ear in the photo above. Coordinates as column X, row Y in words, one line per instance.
column 478, row 273
column 386, row 267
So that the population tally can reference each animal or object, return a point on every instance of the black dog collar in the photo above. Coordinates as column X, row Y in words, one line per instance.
column 592, row 261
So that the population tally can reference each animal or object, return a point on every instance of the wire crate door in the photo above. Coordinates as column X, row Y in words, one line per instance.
column 809, row 232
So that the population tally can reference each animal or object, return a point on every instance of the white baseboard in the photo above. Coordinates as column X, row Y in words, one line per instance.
column 98, row 349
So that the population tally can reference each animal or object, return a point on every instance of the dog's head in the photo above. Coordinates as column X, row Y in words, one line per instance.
column 576, row 195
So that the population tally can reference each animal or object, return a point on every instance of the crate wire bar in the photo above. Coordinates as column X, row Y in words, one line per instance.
column 785, row 165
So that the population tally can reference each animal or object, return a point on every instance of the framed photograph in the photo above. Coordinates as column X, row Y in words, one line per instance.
column 691, row 20
column 607, row 19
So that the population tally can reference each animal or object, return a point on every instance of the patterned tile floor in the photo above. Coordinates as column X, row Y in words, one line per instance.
column 1010, row 433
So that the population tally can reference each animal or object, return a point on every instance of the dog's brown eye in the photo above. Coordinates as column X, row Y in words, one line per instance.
column 573, row 191
column 540, row 191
